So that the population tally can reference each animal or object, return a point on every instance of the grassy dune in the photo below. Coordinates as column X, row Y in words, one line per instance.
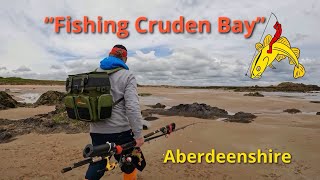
column 21, row 81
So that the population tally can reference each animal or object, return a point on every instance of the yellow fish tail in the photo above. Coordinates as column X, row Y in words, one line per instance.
column 298, row 71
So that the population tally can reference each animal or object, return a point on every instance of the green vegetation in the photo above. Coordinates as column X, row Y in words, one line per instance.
column 61, row 118
column 21, row 81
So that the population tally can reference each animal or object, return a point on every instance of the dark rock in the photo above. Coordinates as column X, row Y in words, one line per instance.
column 318, row 113
column 158, row 105
column 5, row 136
column 2, row 130
column 144, row 94
column 203, row 111
column 296, row 87
column 292, row 111
column 33, row 122
column 241, row 117
column 42, row 125
column 256, row 94
column 197, row 110
column 150, row 118
column 5, row 122
column 192, row 110
column 315, row 102
column 50, row 98
column 6, row 101
column 145, row 127
column 49, row 124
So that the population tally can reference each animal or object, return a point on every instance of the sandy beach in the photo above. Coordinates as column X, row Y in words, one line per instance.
column 42, row 156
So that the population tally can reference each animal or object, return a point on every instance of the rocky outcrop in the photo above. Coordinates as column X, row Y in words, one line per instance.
column 151, row 118
column 39, row 124
column 50, row 98
column 6, row 101
column 316, row 102
column 292, row 111
column 241, row 117
column 158, row 105
column 202, row 111
column 144, row 94
column 255, row 94
column 282, row 87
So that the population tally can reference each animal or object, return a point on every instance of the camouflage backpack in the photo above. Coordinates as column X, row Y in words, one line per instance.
column 88, row 96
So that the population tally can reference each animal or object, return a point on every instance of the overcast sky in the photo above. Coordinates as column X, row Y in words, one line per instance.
column 31, row 49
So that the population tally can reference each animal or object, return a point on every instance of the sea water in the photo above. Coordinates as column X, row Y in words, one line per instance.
column 29, row 97
column 310, row 96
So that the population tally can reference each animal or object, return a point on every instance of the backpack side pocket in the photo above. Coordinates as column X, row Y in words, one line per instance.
column 70, row 107
column 84, row 108
column 105, row 102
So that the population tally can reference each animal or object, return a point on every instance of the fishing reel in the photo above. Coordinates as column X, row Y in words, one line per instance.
column 168, row 129
column 127, row 162
column 135, row 159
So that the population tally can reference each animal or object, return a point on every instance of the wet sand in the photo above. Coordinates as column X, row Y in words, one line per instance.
column 23, row 112
column 36, row 156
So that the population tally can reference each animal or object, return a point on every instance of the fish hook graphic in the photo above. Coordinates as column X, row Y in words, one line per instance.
column 271, row 14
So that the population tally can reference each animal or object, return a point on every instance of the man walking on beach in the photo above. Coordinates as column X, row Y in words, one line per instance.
column 125, row 123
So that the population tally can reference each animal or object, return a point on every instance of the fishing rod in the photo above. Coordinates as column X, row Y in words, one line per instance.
column 97, row 153
column 164, row 134
column 271, row 14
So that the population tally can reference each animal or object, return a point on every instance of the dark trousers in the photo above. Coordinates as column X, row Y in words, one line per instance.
column 98, row 139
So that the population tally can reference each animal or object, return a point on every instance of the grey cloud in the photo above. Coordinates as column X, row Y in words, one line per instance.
column 313, row 9
column 299, row 37
column 2, row 68
column 80, row 66
column 60, row 75
column 22, row 68
column 188, row 67
column 55, row 67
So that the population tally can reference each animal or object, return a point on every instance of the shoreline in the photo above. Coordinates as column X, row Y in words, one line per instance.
column 281, row 87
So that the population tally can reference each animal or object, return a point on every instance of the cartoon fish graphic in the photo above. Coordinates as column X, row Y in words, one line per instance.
column 281, row 49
